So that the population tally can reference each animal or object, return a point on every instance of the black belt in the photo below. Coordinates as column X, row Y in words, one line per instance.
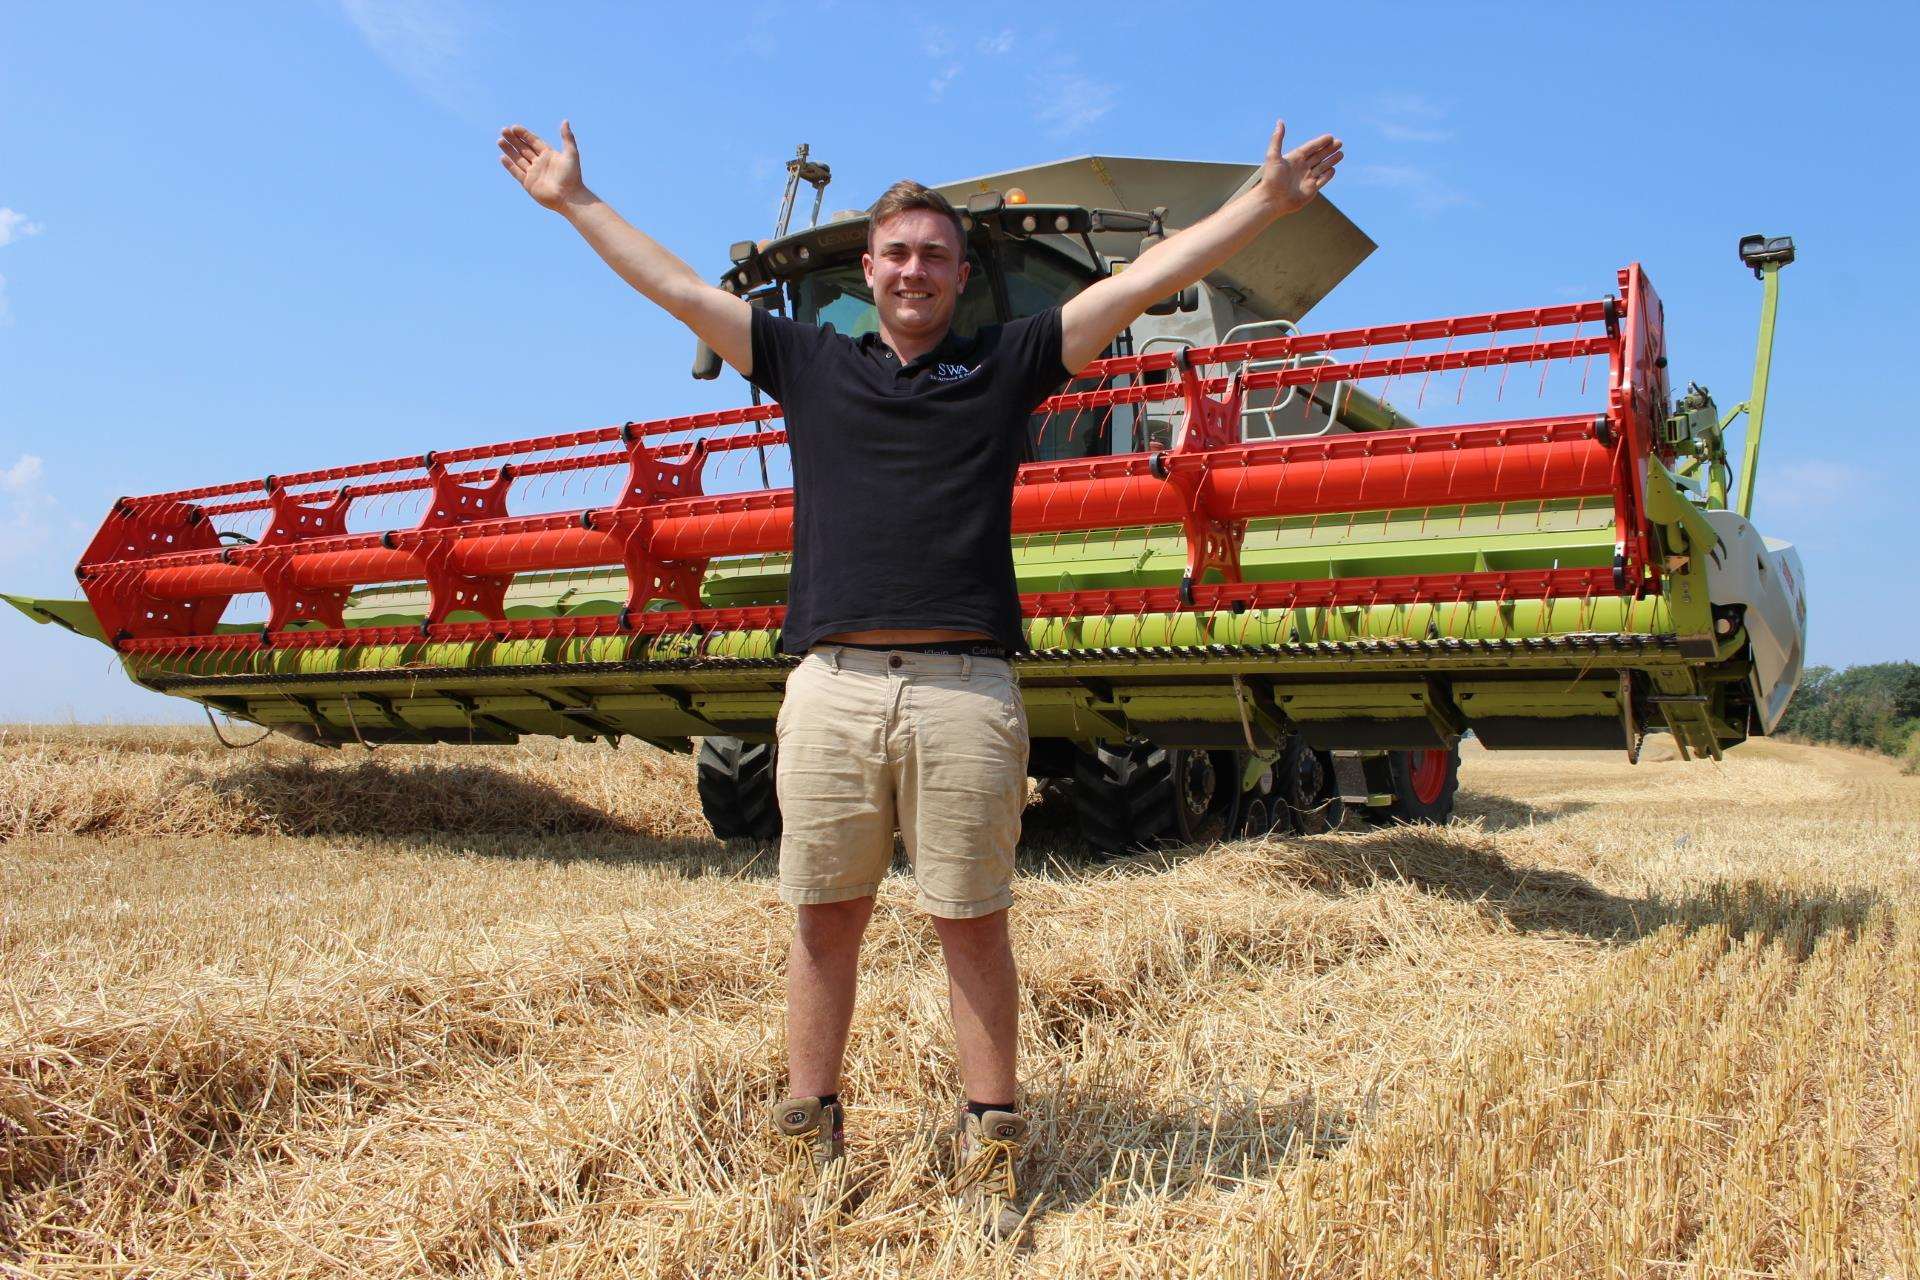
column 942, row 648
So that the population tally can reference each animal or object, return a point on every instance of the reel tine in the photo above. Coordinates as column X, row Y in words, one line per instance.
column 535, row 491
column 1420, row 400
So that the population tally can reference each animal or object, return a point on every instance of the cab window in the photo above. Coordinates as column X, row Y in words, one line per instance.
column 1037, row 279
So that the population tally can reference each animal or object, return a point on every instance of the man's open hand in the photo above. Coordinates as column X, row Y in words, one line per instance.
column 550, row 176
column 1290, row 179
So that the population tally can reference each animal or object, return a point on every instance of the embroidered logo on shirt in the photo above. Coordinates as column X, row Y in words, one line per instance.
column 950, row 372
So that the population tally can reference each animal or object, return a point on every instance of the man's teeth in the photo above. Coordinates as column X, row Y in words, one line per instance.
column 913, row 297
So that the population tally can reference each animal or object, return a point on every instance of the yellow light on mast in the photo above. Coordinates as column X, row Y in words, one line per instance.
column 1016, row 196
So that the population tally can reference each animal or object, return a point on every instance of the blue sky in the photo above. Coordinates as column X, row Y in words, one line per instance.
column 244, row 238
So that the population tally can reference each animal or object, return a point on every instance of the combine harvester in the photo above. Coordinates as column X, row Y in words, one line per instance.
column 1255, row 588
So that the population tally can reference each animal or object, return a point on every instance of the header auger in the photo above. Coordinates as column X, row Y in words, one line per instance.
column 1253, row 586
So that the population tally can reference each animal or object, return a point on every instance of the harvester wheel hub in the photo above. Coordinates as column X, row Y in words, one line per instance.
column 1305, row 790
column 1429, row 774
column 1197, row 786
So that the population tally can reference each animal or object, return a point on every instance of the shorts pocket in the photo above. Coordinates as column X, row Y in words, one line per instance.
column 1015, row 711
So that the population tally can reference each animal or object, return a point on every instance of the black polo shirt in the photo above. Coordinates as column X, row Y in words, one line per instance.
column 903, row 475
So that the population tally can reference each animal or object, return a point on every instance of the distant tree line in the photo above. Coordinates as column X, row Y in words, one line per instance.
column 1876, row 706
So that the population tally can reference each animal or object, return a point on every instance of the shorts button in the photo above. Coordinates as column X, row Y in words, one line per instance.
column 895, row 661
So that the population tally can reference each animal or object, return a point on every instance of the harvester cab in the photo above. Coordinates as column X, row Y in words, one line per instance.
column 1267, row 573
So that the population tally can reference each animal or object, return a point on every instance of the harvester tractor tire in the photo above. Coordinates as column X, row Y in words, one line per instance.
column 1421, row 783
column 736, row 788
column 1309, row 797
column 1137, row 796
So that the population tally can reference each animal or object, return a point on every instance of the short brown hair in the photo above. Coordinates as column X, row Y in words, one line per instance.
column 907, row 194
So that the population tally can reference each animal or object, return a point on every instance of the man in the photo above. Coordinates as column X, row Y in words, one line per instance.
column 903, row 710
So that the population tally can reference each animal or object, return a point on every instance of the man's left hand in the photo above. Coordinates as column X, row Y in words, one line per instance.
column 1291, row 179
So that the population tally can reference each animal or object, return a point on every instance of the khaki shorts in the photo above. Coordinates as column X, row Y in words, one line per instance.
column 935, row 745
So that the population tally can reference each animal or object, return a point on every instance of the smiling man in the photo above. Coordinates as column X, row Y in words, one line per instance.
column 903, row 712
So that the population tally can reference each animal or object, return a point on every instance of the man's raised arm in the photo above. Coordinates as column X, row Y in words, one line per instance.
column 1288, row 181
column 552, row 177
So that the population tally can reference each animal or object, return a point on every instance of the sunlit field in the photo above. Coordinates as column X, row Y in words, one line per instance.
column 503, row 1011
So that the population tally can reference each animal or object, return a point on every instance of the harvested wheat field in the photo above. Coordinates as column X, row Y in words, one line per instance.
column 510, row 1011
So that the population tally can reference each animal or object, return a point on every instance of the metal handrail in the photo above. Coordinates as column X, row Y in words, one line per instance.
column 1284, row 329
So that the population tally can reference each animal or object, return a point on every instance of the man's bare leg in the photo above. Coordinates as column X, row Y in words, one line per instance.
column 822, row 963
column 983, row 990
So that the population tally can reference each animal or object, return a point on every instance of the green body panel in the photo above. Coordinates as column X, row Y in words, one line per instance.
column 1410, row 709
column 75, row 615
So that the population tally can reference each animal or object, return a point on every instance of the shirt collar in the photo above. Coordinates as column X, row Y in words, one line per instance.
column 949, row 346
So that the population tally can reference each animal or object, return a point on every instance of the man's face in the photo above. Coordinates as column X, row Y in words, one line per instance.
column 916, row 269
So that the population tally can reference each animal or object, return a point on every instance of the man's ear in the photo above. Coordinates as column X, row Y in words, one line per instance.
column 866, row 268
column 966, row 269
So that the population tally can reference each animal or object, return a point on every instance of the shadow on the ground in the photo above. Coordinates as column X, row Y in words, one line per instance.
column 1504, row 813
column 371, row 798
column 1462, row 862
column 1094, row 1145
column 1792, row 918
column 471, row 809
column 692, row 857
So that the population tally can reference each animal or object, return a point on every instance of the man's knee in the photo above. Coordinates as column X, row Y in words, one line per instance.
column 831, row 926
column 978, row 935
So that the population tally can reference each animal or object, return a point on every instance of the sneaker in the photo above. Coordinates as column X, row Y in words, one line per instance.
column 815, row 1133
column 986, row 1148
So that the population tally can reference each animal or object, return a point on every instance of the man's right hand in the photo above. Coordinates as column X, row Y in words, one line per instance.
column 723, row 321
column 550, row 176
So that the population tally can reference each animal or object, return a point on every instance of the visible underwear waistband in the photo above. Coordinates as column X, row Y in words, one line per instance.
column 943, row 648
